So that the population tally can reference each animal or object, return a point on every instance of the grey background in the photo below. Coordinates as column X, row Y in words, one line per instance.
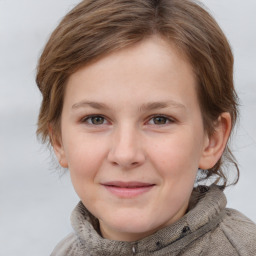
column 35, row 200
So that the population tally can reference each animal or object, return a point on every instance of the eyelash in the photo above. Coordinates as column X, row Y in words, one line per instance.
column 87, row 118
column 167, row 119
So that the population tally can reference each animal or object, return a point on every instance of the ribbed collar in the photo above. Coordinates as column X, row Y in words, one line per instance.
column 203, row 216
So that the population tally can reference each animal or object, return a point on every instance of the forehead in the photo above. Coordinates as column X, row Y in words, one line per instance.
column 147, row 71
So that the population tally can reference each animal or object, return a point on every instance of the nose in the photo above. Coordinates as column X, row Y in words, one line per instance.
column 126, row 148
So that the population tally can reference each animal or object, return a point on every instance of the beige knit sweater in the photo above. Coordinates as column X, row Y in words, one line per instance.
column 207, row 229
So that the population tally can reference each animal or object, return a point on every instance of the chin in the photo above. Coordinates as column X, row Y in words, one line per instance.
column 131, row 227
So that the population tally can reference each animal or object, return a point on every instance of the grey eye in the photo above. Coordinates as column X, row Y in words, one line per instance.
column 96, row 120
column 160, row 120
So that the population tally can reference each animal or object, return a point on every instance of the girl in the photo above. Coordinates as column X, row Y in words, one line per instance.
column 139, row 103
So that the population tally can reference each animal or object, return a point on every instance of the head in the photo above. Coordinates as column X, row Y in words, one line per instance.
column 99, row 31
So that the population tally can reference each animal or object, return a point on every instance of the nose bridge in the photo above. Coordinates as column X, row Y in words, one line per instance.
column 126, row 149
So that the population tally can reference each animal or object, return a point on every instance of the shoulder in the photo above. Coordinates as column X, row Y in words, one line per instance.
column 67, row 246
column 239, row 231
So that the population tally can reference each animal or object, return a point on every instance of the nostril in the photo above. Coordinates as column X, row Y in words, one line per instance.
column 125, row 165
column 125, row 158
column 114, row 163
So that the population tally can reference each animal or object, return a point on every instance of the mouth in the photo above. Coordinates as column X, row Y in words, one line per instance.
column 128, row 189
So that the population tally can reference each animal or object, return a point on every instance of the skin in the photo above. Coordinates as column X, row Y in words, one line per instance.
column 134, row 116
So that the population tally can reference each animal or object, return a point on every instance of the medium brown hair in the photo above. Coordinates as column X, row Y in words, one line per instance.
column 97, row 27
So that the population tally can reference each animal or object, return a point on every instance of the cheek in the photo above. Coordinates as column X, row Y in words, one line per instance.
column 83, row 151
column 85, row 158
column 176, row 156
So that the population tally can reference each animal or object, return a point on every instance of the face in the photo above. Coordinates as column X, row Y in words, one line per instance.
column 133, row 139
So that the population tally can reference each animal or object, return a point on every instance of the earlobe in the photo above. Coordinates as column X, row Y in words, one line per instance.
column 58, row 147
column 216, row 143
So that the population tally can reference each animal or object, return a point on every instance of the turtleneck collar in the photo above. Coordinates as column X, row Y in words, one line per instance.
column 205, row 212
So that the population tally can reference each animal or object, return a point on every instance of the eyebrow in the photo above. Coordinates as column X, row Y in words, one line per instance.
column 91, row 104
column 159, row 105
column 145, row 107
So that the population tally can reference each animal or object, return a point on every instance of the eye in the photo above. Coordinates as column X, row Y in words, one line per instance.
column 160, row 120
column 94, row 120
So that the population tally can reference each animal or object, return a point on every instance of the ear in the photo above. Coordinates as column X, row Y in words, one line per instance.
column 57, row 145
column 215, row 143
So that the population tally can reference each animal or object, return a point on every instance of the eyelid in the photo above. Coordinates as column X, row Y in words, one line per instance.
column 86, row 118
column 106, row 120
column 169, row 119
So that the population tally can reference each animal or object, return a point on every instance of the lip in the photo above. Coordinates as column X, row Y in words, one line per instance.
column 128, row 189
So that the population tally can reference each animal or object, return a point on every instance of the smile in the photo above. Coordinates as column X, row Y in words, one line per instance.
column 127, row 189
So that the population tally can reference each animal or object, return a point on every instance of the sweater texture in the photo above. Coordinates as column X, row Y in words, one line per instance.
column 208, row 228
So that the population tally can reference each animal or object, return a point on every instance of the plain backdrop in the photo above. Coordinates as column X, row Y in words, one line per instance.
column 35, row 199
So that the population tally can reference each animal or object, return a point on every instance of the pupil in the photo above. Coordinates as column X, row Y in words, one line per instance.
column 97, row 120
column 160, row 120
